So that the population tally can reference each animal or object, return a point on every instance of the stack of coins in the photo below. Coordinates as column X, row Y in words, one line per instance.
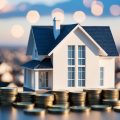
column 79, row 109
column 111, row 102
column 101, row 107
column 36, row 111
column 7, row 95
column 26, row 105
column 77, row 98
column 111, row 94
column 44, row 100
column 111, row 97
column 25, row 96
column 61, row 97
column 93, row 96
column 58, row 110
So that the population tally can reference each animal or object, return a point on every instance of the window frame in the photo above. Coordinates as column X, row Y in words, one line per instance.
column 101, row 76
column 71, row 57
column 81, row 56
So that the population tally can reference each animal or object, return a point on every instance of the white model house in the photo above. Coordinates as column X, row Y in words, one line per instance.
column 70, row 57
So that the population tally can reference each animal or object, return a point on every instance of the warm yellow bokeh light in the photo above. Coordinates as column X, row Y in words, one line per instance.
column 33, row 16
column 97, row 8
column 17, row 31
column 58, row 14
column 79, row 16
column 3, row 3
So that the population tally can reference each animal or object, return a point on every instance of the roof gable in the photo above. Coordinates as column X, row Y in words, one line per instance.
column 45, row 41
column 103, row 36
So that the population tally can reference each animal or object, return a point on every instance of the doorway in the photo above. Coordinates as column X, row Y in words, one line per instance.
column 43, row 80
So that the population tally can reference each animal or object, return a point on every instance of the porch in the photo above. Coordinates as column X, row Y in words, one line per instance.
column 38, row 75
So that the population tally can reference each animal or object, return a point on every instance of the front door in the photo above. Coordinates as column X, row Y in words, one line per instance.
column 43, row 80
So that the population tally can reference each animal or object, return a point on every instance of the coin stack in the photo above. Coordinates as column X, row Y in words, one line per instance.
column 77, row 98
column 111, row 102
column 110, row 94
column 93, row 96
column 7, row 95
column 44, row 100
column 61, row 98
column 111, row 97
column 25, row 96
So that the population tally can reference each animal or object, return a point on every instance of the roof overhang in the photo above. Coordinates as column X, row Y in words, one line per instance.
column 101, row 50
column 39, row 69
column 45, row 64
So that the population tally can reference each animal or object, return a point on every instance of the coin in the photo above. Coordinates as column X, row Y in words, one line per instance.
column 79, row 109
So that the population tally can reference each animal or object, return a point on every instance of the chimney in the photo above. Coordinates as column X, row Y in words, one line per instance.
column 56, row 27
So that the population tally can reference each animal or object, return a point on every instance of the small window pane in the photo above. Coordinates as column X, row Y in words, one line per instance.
column 81, row 76
column 101, row 76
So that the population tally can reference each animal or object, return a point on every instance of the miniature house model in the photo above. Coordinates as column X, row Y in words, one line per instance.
column 70, row 57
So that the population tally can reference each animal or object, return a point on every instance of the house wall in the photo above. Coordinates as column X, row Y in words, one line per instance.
column 60, row 64
column 109, row 71
column 29, row 78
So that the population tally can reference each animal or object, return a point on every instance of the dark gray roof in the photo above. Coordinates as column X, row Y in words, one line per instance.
column 45, row 41
column 36, row 64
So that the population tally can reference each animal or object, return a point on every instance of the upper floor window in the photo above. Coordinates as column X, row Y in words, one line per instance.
column 71, row 55
column 71, row 66
column 81, row 66
column 81, row 55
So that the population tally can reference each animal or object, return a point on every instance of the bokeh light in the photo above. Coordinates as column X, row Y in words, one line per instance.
column 97, row 8
column 87, row 3
column 7, row 8
column 3, row 3
column 22, row 7
column 79, row 16
column 58, row 14
column 115, row 10
column 17, row 31
column 33, row 16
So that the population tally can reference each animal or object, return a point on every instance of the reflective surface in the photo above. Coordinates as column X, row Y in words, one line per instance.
column 11, row 113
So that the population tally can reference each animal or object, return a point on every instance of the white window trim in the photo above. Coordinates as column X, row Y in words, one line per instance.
column 69, row 80
column 81, row 65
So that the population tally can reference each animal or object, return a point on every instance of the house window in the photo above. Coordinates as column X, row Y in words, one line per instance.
column 71, row 66
column 81, row 55
column 81, row 66
column 101, row 76
column 71, row 55
column 81, row 76
column 71, row 76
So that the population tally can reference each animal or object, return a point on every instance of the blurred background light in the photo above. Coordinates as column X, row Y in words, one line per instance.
column 79, row 16
column 3, row 3
column 17, row 31
column 97, row 8
column 58, row 14
column 33, row 16
column 87, row 3
column 115, row 10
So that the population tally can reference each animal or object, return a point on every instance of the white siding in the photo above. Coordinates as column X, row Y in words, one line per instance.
column 29, row 79
column 60, row 64
column 109, row 71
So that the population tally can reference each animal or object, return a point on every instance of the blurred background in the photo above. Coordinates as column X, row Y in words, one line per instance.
column 17, row 17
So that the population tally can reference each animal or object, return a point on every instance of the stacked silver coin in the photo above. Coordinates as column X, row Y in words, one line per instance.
column 77, row 98
column 93, row 96
column 61, row 97
column 8, row 95
column 44, row 100
column 25, row 97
